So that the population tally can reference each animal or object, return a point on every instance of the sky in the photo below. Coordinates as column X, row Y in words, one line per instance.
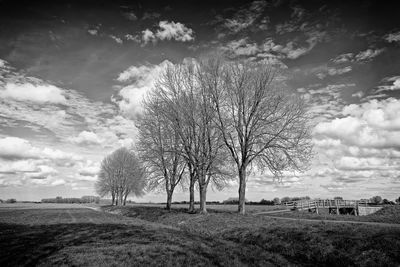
column 73, row 74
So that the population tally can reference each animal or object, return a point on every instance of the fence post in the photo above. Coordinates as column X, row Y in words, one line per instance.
column 356, row 209
column 337, row 206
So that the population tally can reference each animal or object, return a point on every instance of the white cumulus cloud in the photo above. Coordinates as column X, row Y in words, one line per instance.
column 89, row 168
column 36, row 93
column 368, row 54
column 393, row 37
column 142, row 79
column 392, row 83
column 374, row 124
column 86, row 138
column 168, row 31
column 18, row 148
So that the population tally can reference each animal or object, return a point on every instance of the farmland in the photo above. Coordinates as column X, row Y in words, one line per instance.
column 149, row 235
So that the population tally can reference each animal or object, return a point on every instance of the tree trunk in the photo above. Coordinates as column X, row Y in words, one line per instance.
column 126, row 195
column 191, row 193
column 121, row 196
column 113, row 199
column 203, row 197
column 169, row 200
column 242, row 189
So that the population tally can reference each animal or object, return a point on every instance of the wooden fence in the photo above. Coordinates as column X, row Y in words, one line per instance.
column 328, row 203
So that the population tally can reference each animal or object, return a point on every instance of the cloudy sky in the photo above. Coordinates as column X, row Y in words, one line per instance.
column 72, row 75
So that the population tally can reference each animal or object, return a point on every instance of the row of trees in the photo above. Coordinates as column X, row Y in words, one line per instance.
column 11, row 200
column 380, row 200
column 206, row 122
column 84, row 199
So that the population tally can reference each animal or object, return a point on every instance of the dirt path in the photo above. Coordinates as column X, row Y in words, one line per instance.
column 93, row 208
column 134, row 221
column 72, row 216
column 333, row 221
column 271, row 212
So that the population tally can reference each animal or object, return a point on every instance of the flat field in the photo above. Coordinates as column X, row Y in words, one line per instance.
column 147, row 235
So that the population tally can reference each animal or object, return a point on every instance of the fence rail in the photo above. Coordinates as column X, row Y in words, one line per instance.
column 328, row 203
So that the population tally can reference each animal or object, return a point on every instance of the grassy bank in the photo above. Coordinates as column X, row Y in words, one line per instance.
column 388, row 214
column 302, row 243
column 152, row 236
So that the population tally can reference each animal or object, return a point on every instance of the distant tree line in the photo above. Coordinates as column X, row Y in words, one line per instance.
column 374, row 200
column 235, row 201
column 84, row 199
column 378, row 200
column 10, row 200
column 289, row 199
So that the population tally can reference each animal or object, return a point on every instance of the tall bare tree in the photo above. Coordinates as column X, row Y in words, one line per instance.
column 262, row 124
column 189, row 107
column 121, row 174
column 159, row 148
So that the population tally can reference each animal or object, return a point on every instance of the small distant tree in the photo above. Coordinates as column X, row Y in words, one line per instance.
column 277, row 201
column 11, row 200
column 387, row 202
column 376, row 199
column 232, row 200
column 338, row 198
column 285, row 199
column 121, row 174
column 266, row 202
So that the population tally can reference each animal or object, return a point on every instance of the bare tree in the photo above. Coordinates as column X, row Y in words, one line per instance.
column 159, row 148
column 261, row 124
column 189, row 108
column 120, row 175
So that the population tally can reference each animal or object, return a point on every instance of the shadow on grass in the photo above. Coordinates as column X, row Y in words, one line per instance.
column 216, row 239
column 300, row 243
column 117, row 244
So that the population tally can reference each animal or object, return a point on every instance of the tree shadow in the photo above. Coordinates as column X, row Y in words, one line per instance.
column 118, row 244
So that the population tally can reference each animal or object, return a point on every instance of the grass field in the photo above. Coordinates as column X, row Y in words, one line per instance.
column 143, row 235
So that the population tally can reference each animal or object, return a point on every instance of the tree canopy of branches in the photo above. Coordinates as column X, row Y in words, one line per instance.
column 121, row 174
column 188, row 108
column 159, row 148
column 261, row 123
column 219, row 110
